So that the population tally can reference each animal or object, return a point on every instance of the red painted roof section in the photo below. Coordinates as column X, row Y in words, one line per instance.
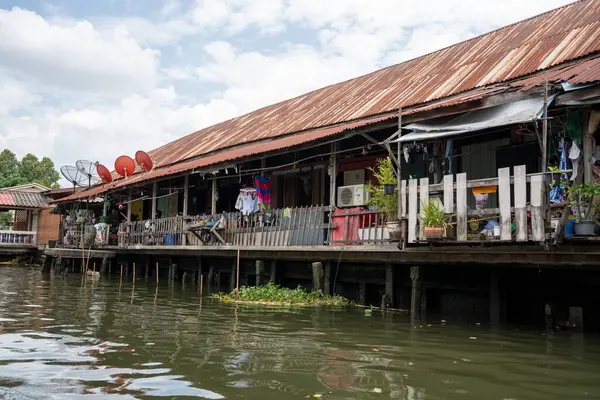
column 19, row 199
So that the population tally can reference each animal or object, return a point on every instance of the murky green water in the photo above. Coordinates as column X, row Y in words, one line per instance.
column 60, row 339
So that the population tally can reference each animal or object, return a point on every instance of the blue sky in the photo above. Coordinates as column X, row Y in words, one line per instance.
column 97, row 79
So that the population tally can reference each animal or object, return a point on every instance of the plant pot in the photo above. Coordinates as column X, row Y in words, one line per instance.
column 389, row 189
column 585, row 228
column 433, row 232
column 395, row 230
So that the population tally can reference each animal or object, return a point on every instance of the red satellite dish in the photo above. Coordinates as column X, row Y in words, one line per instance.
column 143, row 160
column 104, row 173
column 124, row 166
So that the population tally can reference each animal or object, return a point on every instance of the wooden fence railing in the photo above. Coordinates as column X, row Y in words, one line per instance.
column 359, row 228
column 520, row 199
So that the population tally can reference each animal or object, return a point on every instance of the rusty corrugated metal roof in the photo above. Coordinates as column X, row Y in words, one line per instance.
column 457, row 74
column 516, row 50
column 232, row 154
column 586, row 71
column 19, row 199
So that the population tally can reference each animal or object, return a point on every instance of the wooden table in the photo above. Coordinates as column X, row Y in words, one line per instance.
column 206, row 231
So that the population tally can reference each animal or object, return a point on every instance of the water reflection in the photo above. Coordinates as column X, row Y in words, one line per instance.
column 64, row 339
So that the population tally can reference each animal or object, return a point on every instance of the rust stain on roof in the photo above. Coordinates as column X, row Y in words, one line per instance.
column 453, row 75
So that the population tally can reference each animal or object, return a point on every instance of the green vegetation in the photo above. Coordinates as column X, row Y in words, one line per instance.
column 581, row 200
column 277, row 295
column 384, row 175
column 29, row 170
column 433, row 215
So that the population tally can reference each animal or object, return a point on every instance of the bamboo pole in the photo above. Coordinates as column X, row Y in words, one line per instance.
column 156, row 274
column 237, row 274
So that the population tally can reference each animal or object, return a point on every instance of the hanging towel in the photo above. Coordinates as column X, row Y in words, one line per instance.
column 263, row 189
column 575, row 157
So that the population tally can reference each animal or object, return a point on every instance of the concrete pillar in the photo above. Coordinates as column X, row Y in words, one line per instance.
column 318, row 276
column 260, row 272
column 273, row 275
column 58, row 267
column 327, row 278
column 415, row 296
column 389, row 284
column 362, row 293
column 495, row 308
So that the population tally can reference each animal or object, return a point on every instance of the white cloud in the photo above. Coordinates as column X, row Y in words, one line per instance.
column 75, row 57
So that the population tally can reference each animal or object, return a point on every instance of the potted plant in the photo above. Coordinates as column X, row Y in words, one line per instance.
column 581, row 201
column 385, row 177
column 434, row 220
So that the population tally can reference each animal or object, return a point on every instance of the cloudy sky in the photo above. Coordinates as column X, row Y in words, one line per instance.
column 97, row 79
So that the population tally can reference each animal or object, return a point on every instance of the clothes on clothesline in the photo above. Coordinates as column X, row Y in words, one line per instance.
column 263, row 190
column 247, row 201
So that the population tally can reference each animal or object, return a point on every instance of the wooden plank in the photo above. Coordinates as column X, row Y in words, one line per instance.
column 448, row 194
column 504, row 200
column 520, row 190
column 403, row 198
column 461, row 207
column 536, row 190
column 412, row 210
column 424, row 201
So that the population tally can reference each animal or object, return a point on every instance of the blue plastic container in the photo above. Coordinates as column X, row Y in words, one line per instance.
column 169, row 240
column 570, row 228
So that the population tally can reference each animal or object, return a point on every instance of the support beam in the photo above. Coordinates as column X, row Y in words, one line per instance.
column 129, row 198
column 213, row 196
column 389, row 284
column 318, row 275
column 415, row 297
column 154, row 195
column 260, row 272
column 327, row 279
column 186, row 191
column 495, row 308
column 333, row 176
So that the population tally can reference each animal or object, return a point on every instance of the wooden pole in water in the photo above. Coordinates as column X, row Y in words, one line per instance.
column 201, row 284
column 156, row 274
column 121, row 276
column 134, row 273
column 237, row 273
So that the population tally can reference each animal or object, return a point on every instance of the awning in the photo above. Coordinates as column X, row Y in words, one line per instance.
column 519, row 112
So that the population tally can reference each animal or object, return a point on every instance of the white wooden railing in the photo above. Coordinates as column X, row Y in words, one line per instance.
column 512, row 199
column 17, row 237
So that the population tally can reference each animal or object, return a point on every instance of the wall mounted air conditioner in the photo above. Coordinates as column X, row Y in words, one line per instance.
column 352, row 196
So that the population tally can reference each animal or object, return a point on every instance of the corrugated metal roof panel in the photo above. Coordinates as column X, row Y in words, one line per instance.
column 19, row 199
column 507, row 53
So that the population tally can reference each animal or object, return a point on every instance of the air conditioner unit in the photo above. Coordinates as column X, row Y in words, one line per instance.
column 352, row 196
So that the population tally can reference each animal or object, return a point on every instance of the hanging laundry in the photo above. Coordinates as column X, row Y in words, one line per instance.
column 557, row 193
column 247, row 201
column 575, row 157
column 263, row 190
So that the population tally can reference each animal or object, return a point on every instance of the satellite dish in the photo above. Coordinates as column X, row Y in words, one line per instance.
column 124, row 166
column 104, row 173
column 88, row 170
column 72, row 174
column 143, row 160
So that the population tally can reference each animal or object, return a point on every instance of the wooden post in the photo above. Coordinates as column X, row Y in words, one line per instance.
column 157, row 274
column 174, row 277
column 104, row 208
column 415, row 297
column 362, row 293
column 147, row 267
column 333, row 177
column 504, row 200
column 134, row 268
column 232, row 278
column 461, row 207
column 154, row 195
column 199, row 271
column 588, row 137
column 318, row 275
column 327, row 279
column 494, row 298
column 129, row 197
column 121, row 276
column 520, row 189
column 260, row 271
column 186, row 191
column 399, row 176
column 104, row 266
column 389, row 283
column 237, row 274
column 213, row 204
column 201, row 284
column 127, row 270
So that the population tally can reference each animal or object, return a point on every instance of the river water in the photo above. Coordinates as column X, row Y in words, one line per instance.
column 61, row 339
